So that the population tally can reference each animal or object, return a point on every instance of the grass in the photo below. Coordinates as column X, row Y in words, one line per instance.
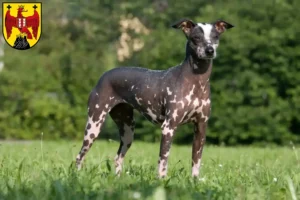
column 35, row 170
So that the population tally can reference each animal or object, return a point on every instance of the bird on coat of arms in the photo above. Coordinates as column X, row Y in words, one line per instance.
column 22, row 23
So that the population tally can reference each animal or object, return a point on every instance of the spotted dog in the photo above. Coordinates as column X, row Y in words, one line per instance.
column 169, row 98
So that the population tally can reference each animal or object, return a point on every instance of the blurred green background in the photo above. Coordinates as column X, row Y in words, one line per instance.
column 255, row 81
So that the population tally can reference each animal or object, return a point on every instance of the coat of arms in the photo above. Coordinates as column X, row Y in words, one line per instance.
column 21, row 24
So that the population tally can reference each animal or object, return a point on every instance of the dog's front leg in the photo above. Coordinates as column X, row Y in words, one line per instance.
column 198, row 143
column 168, row 130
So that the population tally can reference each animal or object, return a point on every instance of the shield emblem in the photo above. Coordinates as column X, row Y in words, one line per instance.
column 21, row 24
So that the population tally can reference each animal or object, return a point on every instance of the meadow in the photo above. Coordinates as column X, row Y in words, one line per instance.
column 45, row 170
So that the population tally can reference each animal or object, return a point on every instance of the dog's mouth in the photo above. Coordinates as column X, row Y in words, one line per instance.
column 207, row 57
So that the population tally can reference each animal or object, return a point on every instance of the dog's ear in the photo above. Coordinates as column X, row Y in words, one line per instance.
column 186, row 26
column 221, row 26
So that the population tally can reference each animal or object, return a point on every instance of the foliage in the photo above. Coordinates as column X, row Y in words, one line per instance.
column 255, row 81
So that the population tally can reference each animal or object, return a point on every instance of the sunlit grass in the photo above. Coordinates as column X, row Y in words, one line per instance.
column 35, row 170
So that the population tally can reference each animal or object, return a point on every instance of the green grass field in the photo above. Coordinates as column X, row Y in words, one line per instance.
column 35, row 170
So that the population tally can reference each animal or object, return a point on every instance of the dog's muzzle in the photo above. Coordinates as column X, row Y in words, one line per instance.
column 209, row 51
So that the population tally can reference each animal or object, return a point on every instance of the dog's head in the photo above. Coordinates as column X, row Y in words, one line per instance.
column 203, row 38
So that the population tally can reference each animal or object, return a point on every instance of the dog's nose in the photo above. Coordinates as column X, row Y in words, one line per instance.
column 209, row 50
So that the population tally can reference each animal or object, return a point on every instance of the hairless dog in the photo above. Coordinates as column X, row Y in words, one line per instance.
column 169, row 98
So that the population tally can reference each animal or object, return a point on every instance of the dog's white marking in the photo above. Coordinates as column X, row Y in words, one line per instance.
column 162, row 168
column 106, row 105
column 97, row 106
column 169, row 91
column 118, row 164
column 202, row 87
column 183, row 116
column 201, row 51
column 93, row 130
column 167, row 154
column 175, row 114
column 200, row 147
column 189, row 96
column 206, row 102
column 151, row 114
column 149, row 102
column 163, row 165
column 167, row 129
column 166, row 123
column 111, row 98
column 215, row 46
column 138, row 100
column 207, row 30
column 193, row 119
column 102, row 116
column 196, row 102
column 132, row 87
column 200, row 109
column 196, row 168
column 174, row 100
column 191, row 113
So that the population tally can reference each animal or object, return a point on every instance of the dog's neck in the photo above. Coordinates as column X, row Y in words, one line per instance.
column 197, row 68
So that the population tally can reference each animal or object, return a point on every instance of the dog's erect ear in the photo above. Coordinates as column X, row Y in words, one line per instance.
column 186, row 26
column 221, row 26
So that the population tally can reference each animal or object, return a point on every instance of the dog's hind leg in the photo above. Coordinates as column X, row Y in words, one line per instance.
column 97, row 111
column 122, row 114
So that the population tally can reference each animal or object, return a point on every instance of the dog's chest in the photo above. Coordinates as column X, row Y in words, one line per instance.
column 199, row 110
column 181, row 105
column 192, row 105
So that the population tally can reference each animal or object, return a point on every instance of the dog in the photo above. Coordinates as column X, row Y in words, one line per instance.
column 169, row 98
